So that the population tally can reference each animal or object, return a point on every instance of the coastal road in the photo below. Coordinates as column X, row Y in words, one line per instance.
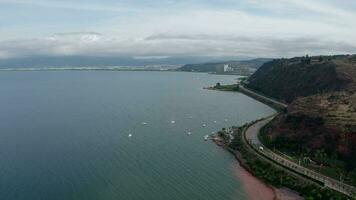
column 251, row 135
column 263, row 97
column 252, row 132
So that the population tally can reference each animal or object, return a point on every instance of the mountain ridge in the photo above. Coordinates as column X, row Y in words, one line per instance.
column 321, row 116
column 241, row 67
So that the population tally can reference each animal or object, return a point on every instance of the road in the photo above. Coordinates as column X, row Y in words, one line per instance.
column 263, row 97
column 251, row 135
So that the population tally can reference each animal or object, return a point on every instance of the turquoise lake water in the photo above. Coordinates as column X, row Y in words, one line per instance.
column 64, row 136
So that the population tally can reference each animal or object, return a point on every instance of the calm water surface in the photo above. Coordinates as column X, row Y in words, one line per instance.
column 64, row 135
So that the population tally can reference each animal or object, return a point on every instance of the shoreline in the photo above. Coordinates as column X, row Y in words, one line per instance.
column 289, row 180
column 247, row 177
column 256, row 188
column 276, row 105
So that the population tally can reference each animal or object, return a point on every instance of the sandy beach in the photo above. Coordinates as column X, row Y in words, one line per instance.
column 255, row 189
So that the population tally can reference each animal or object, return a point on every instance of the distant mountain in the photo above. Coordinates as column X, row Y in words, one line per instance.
column 100, row 61
column 80, row 61
column 320, row 121
column 244, row 67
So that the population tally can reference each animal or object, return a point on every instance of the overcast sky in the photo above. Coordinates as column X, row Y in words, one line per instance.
column 161, row 28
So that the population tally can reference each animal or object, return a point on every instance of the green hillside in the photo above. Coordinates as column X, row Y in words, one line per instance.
column 320, row 122
column 245, row 67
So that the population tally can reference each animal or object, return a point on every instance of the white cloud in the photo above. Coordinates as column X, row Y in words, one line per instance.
column 156, row 46
column 320, row 29
column 71, row 5
column 4, row 55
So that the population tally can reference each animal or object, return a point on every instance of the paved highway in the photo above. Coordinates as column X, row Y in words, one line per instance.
column 263, row 97
column 251, row 135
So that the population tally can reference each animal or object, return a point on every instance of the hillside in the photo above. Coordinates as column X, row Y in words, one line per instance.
column 244, row 67
column 286, row 79
column 320, row 121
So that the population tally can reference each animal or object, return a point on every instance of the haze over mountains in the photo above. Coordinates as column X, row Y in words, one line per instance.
column 240, row 67
column 105, row 61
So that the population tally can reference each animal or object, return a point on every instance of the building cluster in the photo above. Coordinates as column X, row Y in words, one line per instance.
column 227, row 68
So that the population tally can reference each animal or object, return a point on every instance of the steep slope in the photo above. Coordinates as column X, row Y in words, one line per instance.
column 321, row 117
column 286, row 79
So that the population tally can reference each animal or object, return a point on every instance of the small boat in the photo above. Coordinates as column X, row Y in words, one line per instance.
column 206, row 137
column 190, row 117
column 212, row 132
column 173, row 122
column 130, row 135
column 225, row 120
column 204, row 125
column 189, row 133
column 144, row 123
column 215, row 122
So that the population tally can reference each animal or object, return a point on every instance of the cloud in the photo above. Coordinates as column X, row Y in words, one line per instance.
column 165, row 45
column 258, row 28
column 78, row 33
column 70, row 5
column 76, row 37
column 4, row 55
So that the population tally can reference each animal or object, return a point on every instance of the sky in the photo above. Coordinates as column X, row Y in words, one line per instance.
column 168, row 28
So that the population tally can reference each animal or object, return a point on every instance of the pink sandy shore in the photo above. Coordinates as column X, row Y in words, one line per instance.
column 255, row 189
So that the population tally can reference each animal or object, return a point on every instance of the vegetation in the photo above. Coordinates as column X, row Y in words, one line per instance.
column 233, row 87
column 287, row 79
column 223, row 134
column 323, row 159
column 277, row 177
column 319, row 127
column 246, row 67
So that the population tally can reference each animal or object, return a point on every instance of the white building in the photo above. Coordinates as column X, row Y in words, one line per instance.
column 227, row 68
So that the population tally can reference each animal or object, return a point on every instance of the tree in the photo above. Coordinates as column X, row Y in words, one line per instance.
column 320, row 59
column 308, row 61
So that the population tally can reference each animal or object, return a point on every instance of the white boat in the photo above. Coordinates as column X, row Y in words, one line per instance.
column 215, row 121
column 144, row 123
column 189, row 133
column 206, row 137
column 173, row 122
column 226, row 120
column 130, row 135
column 204, row 125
